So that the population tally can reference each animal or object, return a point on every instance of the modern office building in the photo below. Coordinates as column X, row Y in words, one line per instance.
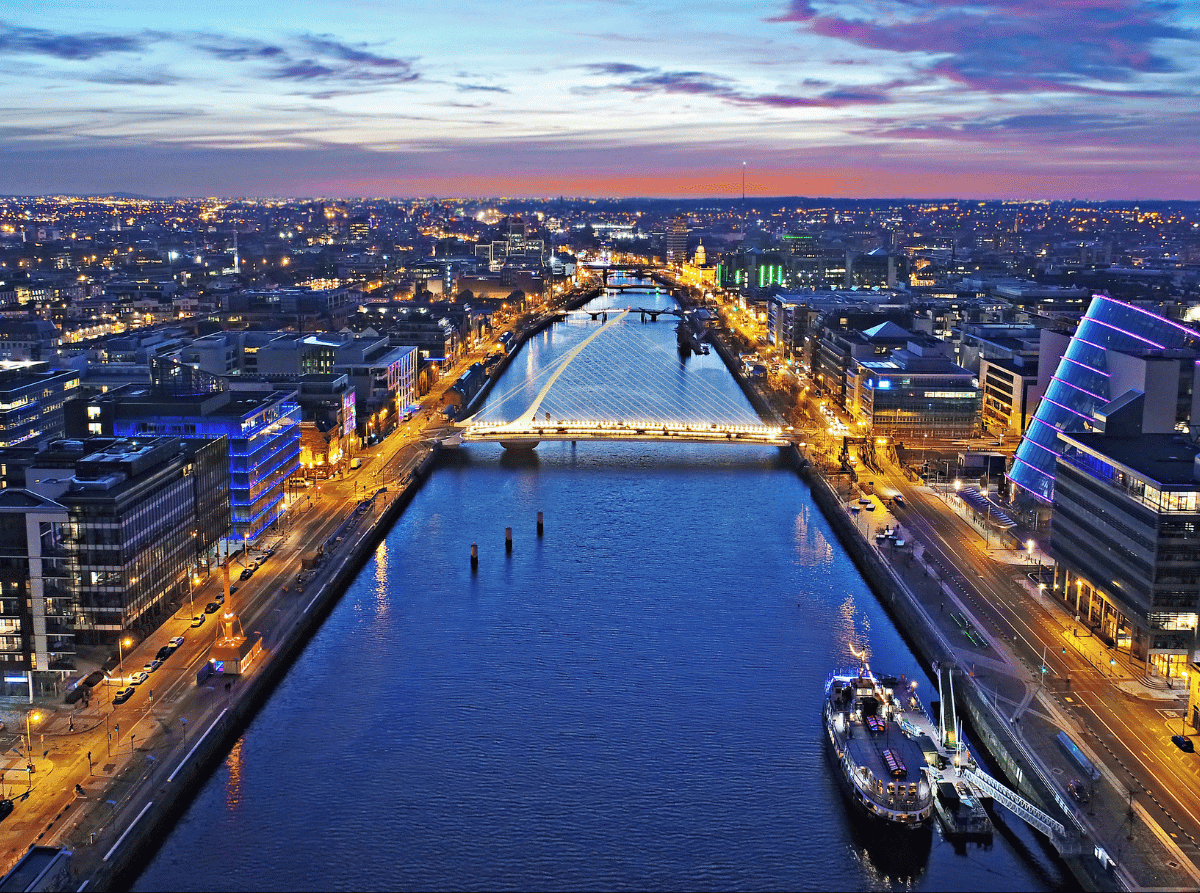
column 32, row 397
column 1010, row 395
column 916, row 393
column 262, row 432
column 839, row 349
column 138, row 520
column 37, row 629
column 1117, row 347
column 675, row 241
column 1125, row 536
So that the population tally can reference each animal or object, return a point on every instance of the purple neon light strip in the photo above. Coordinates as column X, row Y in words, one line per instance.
column 1034, row 467
column 1072, row 384
column 1068, row 409
column 1191, row 333
column 1077, row 339
column 1048, row 425
column 1067, row 359
column 1053, row 453
column 1109, row 325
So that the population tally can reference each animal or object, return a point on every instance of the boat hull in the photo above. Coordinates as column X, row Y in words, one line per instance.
column 901, row 822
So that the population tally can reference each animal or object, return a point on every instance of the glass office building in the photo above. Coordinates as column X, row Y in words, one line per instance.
column 1084, row 381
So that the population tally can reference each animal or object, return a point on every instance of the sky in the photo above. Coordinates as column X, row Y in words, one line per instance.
column 987, row 99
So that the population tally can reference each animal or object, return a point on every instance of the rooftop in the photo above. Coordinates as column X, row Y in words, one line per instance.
column 1166, row 459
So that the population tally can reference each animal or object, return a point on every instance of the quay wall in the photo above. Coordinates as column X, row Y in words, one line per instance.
column 250, row 694
column 992, row 731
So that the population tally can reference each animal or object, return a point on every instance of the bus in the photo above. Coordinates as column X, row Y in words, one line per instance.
column 1077, row 757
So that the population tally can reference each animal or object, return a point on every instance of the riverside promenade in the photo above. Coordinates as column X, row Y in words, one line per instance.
column 109, row 779
column 949, row 589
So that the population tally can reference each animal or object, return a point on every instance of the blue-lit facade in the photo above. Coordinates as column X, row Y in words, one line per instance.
column 1084, row 381
column 264, row 451
column 262, row 431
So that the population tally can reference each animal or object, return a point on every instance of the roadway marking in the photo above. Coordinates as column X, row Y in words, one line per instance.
column 183, row 762
column 127, row 830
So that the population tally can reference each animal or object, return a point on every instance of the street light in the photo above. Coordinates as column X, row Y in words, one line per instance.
column 32, row 716
column 1029, row 549
column 121, row 645
column 1187, row 703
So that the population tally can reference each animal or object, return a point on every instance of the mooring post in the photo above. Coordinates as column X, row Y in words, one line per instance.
column 541, row 526
column 474, row 556
column 508, row 539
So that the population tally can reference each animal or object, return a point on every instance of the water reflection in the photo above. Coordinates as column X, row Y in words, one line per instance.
column 812, row 548
column 233, row 785
column 382, row 570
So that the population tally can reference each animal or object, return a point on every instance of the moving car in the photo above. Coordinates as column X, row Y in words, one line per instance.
column 124, row 695
column 1183, row 742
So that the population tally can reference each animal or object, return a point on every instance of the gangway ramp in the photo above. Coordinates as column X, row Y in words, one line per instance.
column 1023, row 809
column 947, row 712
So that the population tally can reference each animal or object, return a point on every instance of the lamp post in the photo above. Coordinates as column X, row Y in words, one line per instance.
column 1187, row 702
column 32, row 716
column 121, row 644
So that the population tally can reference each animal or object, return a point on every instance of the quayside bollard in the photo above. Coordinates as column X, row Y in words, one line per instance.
column 508, row 539
column 541, row 526
column 474, row 556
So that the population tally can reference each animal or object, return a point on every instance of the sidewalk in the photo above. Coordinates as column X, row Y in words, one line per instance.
column 1149, row 856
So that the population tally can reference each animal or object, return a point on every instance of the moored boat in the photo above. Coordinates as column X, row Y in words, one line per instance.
column 961, row 812
column 880, row 750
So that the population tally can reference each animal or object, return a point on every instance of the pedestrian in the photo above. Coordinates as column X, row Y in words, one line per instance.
column 941, row 606
column 71, row 727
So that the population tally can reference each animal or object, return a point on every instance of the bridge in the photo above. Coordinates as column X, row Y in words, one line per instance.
column 589, row 405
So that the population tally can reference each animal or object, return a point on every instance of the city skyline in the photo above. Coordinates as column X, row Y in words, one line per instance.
column 991, row 100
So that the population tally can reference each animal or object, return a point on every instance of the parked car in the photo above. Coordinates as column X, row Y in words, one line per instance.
column 175, row 642
column 247, row 574
column 198, row 620
column 139, row 677
column 1184, row 743
column 163, row 653
column 124, row 695
column 1079, row 792
column 151, row 665
column 211, row 608
column 6, row 807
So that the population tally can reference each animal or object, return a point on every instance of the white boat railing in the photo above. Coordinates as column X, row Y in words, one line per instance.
column 1022, row 808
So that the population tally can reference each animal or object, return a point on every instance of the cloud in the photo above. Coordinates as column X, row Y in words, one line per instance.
column 1067, row 132
column 237, row 49
column 155, row 77
column 15, row 40
column 308, row 58
column 700, row 83
column 480, row 88
column 1001, row 46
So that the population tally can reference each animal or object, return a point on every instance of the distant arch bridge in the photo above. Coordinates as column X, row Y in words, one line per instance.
column 589, row 405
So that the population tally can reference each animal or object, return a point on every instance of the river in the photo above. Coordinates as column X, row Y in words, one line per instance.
column 631, row 701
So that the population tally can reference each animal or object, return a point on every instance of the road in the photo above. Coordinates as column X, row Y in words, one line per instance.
column 97, row 767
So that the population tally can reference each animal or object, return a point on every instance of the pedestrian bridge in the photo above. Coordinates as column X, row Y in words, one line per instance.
column 575, row 398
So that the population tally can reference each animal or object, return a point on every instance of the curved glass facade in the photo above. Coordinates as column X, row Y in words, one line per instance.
column 1080, row 384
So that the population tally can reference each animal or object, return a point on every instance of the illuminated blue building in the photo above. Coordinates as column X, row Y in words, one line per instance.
column 1116, row 349
column 263, row 431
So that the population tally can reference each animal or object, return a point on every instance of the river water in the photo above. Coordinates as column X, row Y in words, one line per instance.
column 631, row 701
